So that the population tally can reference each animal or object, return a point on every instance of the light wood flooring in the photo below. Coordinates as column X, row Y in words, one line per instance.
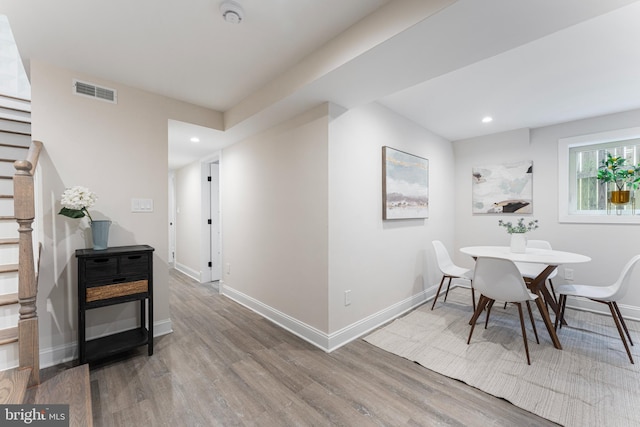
column 226, row 366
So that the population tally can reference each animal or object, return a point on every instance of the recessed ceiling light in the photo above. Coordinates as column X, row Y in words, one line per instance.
column 195, row 139
column 487, row 119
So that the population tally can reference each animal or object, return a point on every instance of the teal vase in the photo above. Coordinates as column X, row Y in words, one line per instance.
column 100, row 234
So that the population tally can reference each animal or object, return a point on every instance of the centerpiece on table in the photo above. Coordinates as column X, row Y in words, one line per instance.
column 76, row 202
column 517, row 232
column 615, row 170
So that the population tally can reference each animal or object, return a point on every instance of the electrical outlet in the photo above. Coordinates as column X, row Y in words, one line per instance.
column 568, row 274
column 347, row 298
column 228, row 268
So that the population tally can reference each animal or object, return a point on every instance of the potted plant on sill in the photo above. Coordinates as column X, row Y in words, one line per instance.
column 614, row 169
column 517, row 232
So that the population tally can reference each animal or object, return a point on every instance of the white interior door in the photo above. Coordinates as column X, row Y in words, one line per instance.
column 172, row 218
column 216, row 268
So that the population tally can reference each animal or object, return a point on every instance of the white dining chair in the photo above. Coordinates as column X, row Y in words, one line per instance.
column 609, row 295
column 450, row 271
column 499, row 279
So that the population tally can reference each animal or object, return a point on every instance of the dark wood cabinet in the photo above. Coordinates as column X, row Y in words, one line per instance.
column 114, row 276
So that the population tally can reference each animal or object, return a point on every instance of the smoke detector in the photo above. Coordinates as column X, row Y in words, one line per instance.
column 231, row 11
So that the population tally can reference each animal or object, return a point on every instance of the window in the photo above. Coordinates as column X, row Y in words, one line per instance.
column 582, row 197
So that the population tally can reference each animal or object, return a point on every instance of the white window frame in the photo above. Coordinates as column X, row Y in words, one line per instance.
column 564, row 144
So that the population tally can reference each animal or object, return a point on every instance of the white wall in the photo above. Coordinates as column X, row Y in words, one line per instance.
column 609, row 245
column 189, row 219
column 507, row 147
column 274, row 190
column 384, row 263
column 302, row 222
column 120, row 152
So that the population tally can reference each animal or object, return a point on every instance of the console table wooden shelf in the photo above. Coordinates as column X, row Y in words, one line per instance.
column 115, row 276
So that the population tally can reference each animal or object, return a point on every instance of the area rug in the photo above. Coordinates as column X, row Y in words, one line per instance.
column 589, row 383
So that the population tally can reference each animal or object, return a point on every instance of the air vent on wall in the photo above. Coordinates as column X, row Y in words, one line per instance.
column 93, row 91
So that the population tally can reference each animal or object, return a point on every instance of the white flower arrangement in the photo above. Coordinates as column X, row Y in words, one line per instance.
column 76, row 201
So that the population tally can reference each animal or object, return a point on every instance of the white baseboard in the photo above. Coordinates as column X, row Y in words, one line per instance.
column 629, row 312
column 195, row 275
column 369, row 323
column 296, row 327
column 67, row 352
column 162, row 327
column 322, row 340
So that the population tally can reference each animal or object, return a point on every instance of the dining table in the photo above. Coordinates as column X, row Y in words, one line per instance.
column 548, row 257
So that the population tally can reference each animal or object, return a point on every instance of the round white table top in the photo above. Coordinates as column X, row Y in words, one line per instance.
column 533, row 255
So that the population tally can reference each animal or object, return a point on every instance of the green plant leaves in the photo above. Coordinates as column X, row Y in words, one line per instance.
column 72, row 213
column 614, row 169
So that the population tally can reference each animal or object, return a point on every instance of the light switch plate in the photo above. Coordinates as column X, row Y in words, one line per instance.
column 141, row 205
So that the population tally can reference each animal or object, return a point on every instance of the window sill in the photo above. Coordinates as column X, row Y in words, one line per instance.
column 601, row 219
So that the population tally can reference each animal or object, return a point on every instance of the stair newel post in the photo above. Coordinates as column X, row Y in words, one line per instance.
column 24, row 211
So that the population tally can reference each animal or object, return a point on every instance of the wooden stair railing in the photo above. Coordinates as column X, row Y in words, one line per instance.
column 24, row 212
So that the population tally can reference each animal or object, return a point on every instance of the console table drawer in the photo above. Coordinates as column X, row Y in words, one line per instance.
column 134, row 263
column 98, row 293
column 101, row 267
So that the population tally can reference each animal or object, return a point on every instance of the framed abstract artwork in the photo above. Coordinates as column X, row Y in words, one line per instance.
column 503, row 188
column 405, row 185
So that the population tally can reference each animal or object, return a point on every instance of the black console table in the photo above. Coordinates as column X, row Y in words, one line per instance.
column 114, row 276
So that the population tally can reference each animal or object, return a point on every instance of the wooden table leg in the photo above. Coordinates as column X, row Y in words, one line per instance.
column 547, row 321
column 479, row 308
column 538, row 287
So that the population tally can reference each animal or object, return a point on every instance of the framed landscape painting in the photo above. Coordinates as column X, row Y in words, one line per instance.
column 405, row 185
column 503, row 188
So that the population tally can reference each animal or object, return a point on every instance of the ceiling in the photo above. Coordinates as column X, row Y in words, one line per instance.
column 444, row 64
